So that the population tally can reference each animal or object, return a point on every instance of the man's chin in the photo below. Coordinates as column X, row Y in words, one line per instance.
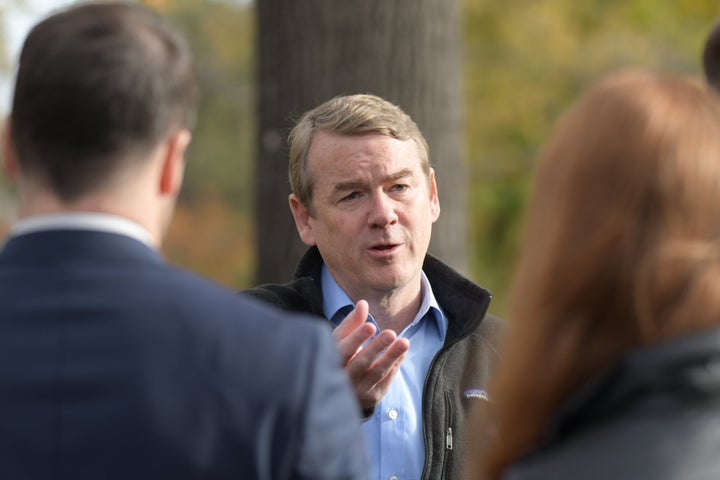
column 389, row 281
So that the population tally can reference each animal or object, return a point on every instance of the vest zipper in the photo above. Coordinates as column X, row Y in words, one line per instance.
column 448, row 434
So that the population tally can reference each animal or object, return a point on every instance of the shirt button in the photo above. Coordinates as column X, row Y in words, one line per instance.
column 393, row 415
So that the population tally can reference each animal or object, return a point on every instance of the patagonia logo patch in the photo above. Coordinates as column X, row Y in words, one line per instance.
column 476, row 393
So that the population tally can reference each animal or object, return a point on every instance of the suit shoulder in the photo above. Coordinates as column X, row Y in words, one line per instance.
column 191, row 294
column 280, row 295
column 301, row 295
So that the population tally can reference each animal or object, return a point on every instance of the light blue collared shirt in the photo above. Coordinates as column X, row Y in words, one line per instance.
column 394, row 434
column 101, row 222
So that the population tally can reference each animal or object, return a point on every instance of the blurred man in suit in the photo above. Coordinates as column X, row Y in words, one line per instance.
column 113, row 364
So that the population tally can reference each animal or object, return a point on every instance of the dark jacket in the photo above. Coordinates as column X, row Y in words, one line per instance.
column 656, row 415
column 460, row 371
column 114, row 365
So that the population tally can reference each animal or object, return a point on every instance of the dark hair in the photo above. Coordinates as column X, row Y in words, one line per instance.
column 97, row 85
column 711, row 57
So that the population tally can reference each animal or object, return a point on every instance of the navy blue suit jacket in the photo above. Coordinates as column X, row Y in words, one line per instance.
column 115, row 365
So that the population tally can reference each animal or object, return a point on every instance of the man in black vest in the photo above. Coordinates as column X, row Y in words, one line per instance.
column 364, row 200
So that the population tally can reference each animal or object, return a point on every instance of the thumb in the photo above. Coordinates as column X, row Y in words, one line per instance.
column 354, row 320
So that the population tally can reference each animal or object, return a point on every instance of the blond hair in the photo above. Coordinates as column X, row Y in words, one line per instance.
column 348, row 115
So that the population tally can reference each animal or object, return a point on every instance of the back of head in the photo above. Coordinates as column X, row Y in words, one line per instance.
column 360, row 114
column 97, row 85
column 711, row 57
column 621, row 244
column 632, row 173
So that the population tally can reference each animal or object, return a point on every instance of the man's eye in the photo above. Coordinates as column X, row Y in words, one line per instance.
column 400, row 187
column 351, row 196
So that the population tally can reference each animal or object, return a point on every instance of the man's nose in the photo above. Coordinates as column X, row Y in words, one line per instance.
column 382, row 211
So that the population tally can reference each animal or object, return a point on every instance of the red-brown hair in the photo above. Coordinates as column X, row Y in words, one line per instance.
column 622, row 247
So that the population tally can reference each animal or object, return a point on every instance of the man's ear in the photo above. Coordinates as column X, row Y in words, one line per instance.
column 302, row 220
column 173, row 166
column 9, row 157
column 434, row 199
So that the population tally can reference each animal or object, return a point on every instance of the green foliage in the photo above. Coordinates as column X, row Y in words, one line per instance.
column 211, row 231
column 221, row 35
column 4, row 60
column 4, row 70
column 526, row 61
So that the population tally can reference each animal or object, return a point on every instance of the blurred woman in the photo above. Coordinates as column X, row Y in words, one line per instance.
column 612, row 365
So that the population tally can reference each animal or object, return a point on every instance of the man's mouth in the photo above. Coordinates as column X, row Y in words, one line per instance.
column 385, row 247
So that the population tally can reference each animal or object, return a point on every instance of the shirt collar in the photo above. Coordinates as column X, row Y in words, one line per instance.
column 336, row 300
column 334, row 297
column 83, row 221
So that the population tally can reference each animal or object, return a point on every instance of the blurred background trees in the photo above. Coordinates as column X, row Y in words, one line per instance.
column 525, row 62
column 6, row 199
column 520, row 62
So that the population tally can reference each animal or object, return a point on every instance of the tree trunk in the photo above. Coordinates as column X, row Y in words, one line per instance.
column 406, row 51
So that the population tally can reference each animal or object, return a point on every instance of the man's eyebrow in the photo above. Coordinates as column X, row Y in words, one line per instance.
column 359, row 184
column 351, row 185
column 405, row 172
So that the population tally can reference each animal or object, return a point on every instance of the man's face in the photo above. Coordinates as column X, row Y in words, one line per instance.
column 373, row 210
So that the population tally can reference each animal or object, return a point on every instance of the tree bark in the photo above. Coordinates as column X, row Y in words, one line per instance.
column 406, row 51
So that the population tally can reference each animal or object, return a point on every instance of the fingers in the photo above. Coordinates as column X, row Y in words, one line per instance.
column 353, row 321
column 353, row 343
column 373, row 368
column 384, row 367
column 369, row 397
column 365, row 357
column 353, row 332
